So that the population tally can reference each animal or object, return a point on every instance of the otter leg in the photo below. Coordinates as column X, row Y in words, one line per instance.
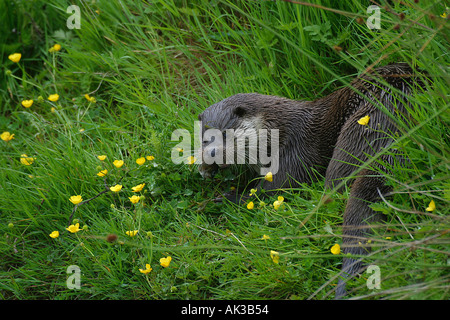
column 358, row 217
column 232, row 196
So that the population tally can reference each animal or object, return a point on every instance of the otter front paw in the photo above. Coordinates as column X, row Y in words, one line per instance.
column 233, row 197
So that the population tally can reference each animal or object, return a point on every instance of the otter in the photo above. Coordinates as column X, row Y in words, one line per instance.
column 323, row 138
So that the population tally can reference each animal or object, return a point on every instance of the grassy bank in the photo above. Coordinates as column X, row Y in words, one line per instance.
column 148, row 68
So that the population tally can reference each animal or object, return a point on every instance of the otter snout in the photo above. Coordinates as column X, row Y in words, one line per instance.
column 211, row 160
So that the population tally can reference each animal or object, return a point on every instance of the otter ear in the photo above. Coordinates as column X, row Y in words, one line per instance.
column 239, row 111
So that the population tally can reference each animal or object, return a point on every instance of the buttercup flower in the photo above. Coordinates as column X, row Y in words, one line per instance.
column 25, row 160
column 150, row 158
column 54, row 234
column 191, row 159
column 53, row 97
column 102, row 157
column 6, row 136
column 132, row 233
column 76, row 199
column 253, row 191
column 146, row 270
column 74, row 228
column 116, row 188
column 431, row 206
column 265, row 237
column 134, row 199
column 165, row 262
column 56, row 47
column 27, row 103
column 15, row 57
column 278, row 203
column 89, row 98
column 140, row 161
column 336, row 249
column 102, row 173
column 250, row 205
column 138, row 188
column 118, row 163
column 275, row 256
column 364, row 121
column 269, row 177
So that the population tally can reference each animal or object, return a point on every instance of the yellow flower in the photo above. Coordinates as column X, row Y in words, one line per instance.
column 6, row 136
column 76, row 199
column 89, row 98
column 134, row 199
column 336, row 249
column 102, row 173
column 132, row 233
column 431, row 206
column 250, row 205
column 118, row 163
column 278, row 203
column 269, row 177
column 54, row 234
column 165, row 261
column 25, row 160
column 138, row 188
column 15, row 57
column 74, row 228
column 265, row 237
column 140, row 161
column 102, row 157
column 146, row 270
column 53, row 109
column 116, row 188
column 252, row 192
column 444, row 15
column 27, row 103
column 150, row 158
column 56, row 47
column 364, row 121
column 53, row 97
column 191, row 160
column 275, row 256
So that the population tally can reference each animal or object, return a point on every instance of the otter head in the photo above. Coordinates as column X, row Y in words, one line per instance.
column 237, row 118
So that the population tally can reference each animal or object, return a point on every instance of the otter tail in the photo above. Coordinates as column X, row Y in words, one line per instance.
column 358, row 218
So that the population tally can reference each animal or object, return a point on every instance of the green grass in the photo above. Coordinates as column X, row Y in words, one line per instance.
column 152, row 67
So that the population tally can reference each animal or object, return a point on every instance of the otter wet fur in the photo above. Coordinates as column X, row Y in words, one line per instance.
column 323, row 138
